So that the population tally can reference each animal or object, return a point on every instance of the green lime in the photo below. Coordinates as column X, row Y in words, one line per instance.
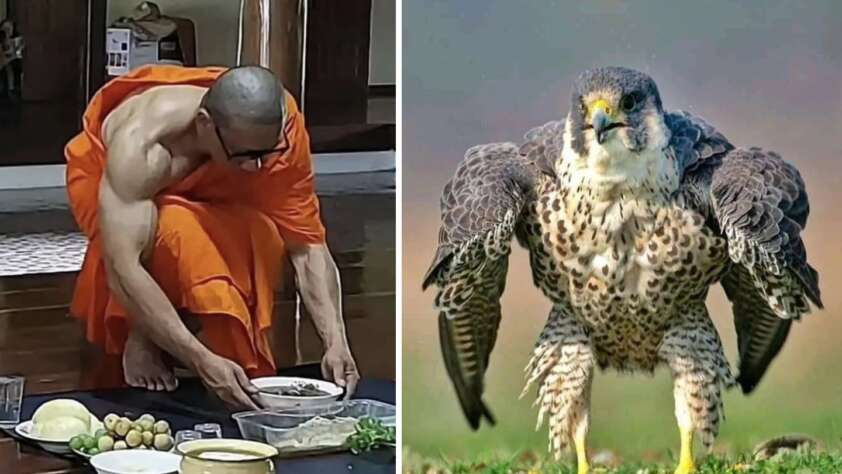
column 106, row 443
column 89, row 442
column 93, row 452
column 77, row 443
column 100, row 433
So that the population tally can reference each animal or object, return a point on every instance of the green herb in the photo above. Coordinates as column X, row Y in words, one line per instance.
column 370, row 433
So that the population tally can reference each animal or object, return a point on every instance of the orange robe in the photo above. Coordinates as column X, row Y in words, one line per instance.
column 219, row 247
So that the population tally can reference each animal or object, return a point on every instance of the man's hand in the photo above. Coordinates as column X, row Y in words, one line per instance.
column 317, row 279
column 338, row 365
column 227, row 380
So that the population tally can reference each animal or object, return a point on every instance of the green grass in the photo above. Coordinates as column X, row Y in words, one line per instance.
column 793, row 462
column 632, row 415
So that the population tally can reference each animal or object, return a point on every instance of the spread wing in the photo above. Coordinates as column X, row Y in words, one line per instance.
column 480, row 210
column 758, row 202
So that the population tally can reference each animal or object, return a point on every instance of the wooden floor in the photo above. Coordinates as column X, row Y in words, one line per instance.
column 39, row 340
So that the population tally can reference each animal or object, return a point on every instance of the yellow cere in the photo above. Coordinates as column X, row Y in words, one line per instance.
column 600, row 104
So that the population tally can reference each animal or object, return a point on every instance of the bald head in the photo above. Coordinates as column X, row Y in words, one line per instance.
column 247, row 95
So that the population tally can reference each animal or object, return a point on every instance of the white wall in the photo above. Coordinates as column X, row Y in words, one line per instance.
column 216, row 25
column 216, row 31
column 382, row 50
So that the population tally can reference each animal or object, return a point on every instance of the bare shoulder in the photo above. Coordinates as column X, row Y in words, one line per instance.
column 178, row 103
column 138, row 165
column 155, row 112
column 137, row 170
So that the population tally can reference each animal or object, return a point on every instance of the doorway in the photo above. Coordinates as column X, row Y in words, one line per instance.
column 46, row 89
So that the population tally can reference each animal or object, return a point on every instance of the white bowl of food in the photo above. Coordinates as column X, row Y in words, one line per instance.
column 136, row 461
column 292, row 392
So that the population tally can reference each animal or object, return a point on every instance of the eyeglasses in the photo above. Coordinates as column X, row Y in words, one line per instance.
column 253, row 155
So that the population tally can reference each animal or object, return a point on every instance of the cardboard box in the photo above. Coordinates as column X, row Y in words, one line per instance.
column 125, row 51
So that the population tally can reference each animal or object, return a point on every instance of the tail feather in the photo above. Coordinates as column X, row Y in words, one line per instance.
column 468, row 389
column 767, row 343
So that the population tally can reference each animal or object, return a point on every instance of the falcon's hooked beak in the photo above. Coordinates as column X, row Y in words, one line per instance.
column 599, row 122
column 602, row 117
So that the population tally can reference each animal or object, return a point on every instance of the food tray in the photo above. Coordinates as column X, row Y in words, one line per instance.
column 282, row 428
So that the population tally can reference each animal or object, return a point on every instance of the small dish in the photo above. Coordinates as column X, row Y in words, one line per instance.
column 269, row 400
column 130, row 461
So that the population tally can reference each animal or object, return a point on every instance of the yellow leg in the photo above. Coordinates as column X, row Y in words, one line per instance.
column 686, row 465
column 581, row 452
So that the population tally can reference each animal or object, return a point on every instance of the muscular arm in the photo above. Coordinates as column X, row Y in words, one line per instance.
column 128, row 223
column 318, row 283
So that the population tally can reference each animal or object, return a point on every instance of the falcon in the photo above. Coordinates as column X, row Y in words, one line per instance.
column 630, row 214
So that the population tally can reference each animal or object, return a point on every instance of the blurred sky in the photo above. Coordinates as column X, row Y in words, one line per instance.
column 764, row 73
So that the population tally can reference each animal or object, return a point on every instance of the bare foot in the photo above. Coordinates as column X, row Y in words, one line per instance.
column 144, row 367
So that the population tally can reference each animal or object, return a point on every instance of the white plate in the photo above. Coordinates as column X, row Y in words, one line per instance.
column 129, row 460
column 81, row 454
column 288, row 401
column 88, row 456
column 24, row 430
column 57, row 446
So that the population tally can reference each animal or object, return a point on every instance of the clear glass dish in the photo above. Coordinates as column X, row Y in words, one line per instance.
column 295, row 431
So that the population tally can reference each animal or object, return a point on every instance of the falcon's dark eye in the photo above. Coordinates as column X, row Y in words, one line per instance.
column 630, row 101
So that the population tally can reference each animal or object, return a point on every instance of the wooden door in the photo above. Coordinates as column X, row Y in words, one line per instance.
column 336, row 85
column 334, row 73
column 53, row 61
column 58, row 74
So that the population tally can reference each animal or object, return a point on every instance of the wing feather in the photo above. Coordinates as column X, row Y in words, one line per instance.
column 480, row 210
column 760, row 332
column 758, row 202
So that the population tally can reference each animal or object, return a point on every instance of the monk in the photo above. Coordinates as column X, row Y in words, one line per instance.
column 193, row 186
